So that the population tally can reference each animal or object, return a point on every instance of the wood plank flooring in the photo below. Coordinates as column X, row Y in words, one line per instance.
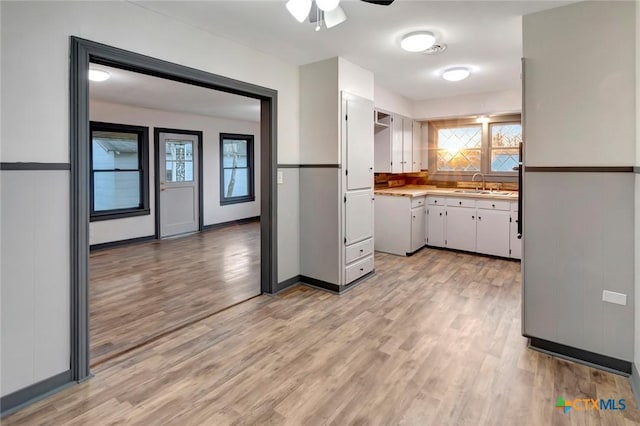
column 142, row 291
column 433, row 339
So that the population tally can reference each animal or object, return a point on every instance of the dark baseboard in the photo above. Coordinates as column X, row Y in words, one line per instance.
column 333, row 288
column 635, row 383
column 127, row 242
column 15, row 401
column 468, row 252
column 414, row 252
column 593, row 359
column 286, row 284
column 231, row 223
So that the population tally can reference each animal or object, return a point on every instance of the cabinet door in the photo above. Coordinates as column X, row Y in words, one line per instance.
column 417, row 147
column 515, row 244
column 435, row 225
column 493, row 232
column 407, row 145
column 396, row 144
column 358, row 216
column 358, row 138
column 460, row 228
column 418, row 223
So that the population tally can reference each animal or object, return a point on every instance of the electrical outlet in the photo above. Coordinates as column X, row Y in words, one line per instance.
column 280, row 178
column 613, row 297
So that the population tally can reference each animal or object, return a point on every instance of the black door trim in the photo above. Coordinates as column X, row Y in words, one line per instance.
column 82, row 52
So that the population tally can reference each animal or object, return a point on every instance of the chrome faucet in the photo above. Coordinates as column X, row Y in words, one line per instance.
column 473, row 178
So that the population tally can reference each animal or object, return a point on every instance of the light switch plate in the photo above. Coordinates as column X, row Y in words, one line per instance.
column 613, row 297
column 280, row 177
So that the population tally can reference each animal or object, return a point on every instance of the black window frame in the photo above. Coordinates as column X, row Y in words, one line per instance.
column 143, row 168
column 250, row 167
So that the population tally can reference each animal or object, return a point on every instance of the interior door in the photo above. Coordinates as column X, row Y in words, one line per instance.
column 358, row 137
column 178, row 178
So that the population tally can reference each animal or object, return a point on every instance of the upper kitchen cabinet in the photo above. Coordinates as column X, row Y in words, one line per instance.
column 397, row 150
column 336, row 174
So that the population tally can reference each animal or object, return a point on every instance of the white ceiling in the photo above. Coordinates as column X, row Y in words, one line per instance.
column 130, row 88
column 483, row 35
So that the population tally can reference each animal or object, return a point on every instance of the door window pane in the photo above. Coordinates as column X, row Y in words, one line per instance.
column 179, row 161
column 116, row 190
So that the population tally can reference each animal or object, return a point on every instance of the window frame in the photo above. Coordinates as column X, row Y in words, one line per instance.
column 485, row 148
column 251, row 196
column 143, row 168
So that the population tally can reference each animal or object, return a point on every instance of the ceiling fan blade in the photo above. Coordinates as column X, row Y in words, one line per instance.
column 379, row 2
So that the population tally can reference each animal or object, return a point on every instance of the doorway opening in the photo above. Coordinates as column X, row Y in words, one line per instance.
column 182, row 153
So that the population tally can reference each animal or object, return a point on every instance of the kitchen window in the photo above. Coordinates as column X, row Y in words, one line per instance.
column 461, row 147
column 119, row 171
column 236, row 169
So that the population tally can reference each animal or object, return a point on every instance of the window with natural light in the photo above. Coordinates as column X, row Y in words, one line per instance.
column 236, row 168
column 464, row 146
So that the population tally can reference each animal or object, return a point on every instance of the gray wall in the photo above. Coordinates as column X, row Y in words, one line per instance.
column 579, row 110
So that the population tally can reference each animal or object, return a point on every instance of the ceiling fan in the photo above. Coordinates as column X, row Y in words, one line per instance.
column 327, row 11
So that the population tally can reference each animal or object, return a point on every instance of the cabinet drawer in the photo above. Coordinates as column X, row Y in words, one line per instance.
column 494, row 204
column 358, row 269
column 461, row 202
column 435, row 201
column 358, row 250
column 417, row 202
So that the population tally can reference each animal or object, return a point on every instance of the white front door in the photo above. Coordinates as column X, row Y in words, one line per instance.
column 178, row 175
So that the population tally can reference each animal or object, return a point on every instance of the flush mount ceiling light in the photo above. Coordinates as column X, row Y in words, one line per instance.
column 417, row 41
column 327, row 11
column 456, row 74
column 98, row 75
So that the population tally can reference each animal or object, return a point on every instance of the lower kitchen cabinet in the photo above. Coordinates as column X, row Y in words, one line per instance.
column 492, row 232
column 460, row 228
column 399, row 224
column 418, row 224
column 435, row 221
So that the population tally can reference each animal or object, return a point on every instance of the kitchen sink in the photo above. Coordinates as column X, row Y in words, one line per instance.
column 479, row 191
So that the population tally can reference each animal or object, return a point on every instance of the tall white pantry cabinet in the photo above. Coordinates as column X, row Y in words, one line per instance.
column 336, row 173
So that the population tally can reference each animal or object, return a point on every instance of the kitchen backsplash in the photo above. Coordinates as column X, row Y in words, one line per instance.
column 422, row 178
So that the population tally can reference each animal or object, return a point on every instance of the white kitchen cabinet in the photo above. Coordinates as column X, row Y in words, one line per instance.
column 393, row 146
column 460, row 228
column 492, row 232
column 435, row 221
column 358, row 129
column 399, row 224
column 515, row 244
column 418, row 223
column 416, row 143
column 358, row 216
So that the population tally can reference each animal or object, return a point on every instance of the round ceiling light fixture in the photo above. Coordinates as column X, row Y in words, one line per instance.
column 417, row 41
column 327, row 5
column 98, row 75
column 456, row 74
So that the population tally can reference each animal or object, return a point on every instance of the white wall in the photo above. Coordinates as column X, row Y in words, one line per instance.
column 507, row 101
column 637, row 204
column 387, row 100
column 142, row 226
column 35, row 128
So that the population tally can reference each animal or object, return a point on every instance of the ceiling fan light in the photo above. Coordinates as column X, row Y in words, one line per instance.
column 327, row 5
column 334, row 17
column 299, row 9
column 417, row 41
column 456, row 74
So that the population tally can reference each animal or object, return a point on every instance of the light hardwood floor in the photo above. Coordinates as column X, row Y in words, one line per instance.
column 142, row 291
column 433, row 339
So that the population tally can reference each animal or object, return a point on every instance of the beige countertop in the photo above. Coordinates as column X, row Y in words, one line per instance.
column 422, row 190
